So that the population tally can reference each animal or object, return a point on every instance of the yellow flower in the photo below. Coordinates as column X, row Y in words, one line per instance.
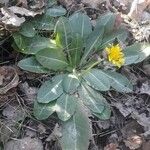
column 115, row 55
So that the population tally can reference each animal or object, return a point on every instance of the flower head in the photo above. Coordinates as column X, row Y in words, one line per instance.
column 115, row 55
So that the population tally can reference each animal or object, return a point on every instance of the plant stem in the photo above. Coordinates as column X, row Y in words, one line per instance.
column 89, row 68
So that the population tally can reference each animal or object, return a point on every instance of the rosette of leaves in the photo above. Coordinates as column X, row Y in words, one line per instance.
column 75, row 90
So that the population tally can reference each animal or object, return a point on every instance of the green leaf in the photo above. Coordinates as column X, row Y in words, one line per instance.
column 56, row 11
column 75, row 49
column 27, row 29
column 50, row 3
column 105, row 114
column 50, row 90
column 43, row 111
column 81, row 24
column 119, row 82
column 76, row 132
column 32, row 65
column 92, row 42
column 92, row 99
column 97, row 79
column 43, row 22
column 65, row 106
column 63, row 33
column 136, row 53
column 107, row 21
column 32, row 45
column 53, row 59
column 20, row 41
column 38, row 43
column 121, row 34
column 70, row 83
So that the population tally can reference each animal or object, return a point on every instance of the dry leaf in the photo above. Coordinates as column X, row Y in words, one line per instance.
column 9, row 79
column 145, row 88
column 4, row 1
column 10, row 18
column 133, row 142
column 95, row 3
column 118, row 21
column 30, row 92
column 23, row 3
column 147, row 69
column 146, row 145
column 111, row 146
column 24, row 11
column 137, row 9
column 14, row 113
column 10, row 15
column 38, row 4
column 67, row 3
column 56, row 133
column 26, row 143
column 7, row 130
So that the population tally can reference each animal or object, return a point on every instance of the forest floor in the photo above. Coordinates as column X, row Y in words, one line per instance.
column 129, row 125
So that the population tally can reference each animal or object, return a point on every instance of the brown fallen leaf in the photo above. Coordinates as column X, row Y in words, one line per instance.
column 14, row 112
column 146, row 145
column 95, row 3
column 10, row 15
column 30, row 93
column 4, row 1
column 137, row 8
column 9, row 18
column 67, row 3
column 145, row 88
column 38, row 4
column 7, row 129
column 111, row 146
column 9, row 79
column 147, row 69
column 24, row 11
column 23, row 3
column 118, row 21
column 133, row 142
column 26, row 143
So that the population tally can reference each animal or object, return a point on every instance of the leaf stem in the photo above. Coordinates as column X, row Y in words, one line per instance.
column 89, row 68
